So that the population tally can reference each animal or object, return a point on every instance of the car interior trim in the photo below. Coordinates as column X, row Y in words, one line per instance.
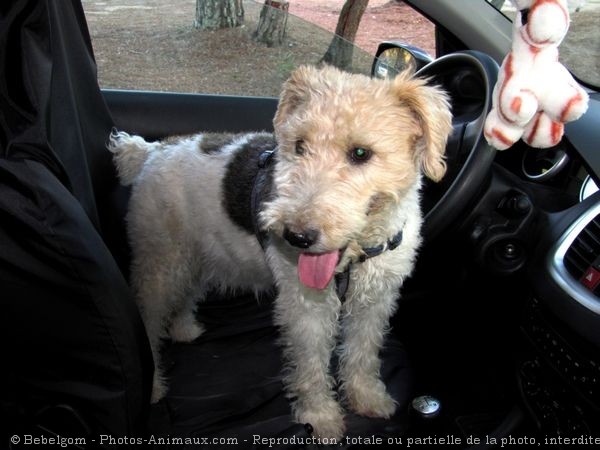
column 558, row 271
column 556, row 168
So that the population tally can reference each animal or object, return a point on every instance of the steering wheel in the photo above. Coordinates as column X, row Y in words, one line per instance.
column 469, row 78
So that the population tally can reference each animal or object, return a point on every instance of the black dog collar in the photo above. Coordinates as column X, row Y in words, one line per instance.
column 260, row 188
column 342, row 279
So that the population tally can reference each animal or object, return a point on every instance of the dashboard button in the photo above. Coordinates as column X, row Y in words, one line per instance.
column 591, row 278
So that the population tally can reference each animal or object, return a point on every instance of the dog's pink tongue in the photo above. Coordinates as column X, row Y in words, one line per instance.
column 315, row 270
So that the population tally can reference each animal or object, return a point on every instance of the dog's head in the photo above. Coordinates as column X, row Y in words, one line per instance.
column 349, row 148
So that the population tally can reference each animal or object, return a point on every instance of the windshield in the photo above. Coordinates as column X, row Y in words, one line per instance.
column 152, row 45
column 580, row 50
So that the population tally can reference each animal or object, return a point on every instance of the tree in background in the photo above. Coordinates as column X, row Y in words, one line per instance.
column 214, row 14
column 272, row 22
column 341, row 48
column 497, row 4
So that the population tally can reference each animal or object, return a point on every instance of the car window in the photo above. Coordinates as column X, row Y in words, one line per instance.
column 580, row 50
column 153, row 45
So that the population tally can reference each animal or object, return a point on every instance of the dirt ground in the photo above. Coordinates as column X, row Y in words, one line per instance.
column 151, row 44
column 581, row 47
column 383, row 20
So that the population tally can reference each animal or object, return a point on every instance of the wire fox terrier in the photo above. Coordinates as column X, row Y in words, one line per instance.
column 333, row 192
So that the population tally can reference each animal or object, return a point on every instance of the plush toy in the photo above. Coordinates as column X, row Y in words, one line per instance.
column 535, row 94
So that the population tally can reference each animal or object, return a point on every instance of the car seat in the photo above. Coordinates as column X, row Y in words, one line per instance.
column 76, row 358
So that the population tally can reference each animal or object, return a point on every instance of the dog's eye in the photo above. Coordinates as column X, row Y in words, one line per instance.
column 300, row 150
column 359, row 155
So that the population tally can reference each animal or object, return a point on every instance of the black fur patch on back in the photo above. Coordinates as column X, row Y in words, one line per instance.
column 239, row 179
column 214, row 142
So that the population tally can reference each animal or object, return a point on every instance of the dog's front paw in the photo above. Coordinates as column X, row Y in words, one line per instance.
column 369, row 397
column 184, row 328
column 326, row 419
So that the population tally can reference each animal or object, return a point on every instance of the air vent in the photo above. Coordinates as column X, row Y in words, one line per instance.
column 573, row 261
column 584, row 250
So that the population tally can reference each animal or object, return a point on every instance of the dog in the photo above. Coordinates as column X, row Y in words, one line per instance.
column 333, row 191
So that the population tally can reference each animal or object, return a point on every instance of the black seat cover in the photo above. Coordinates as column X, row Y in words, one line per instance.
column 75, row 357
column 227, row 384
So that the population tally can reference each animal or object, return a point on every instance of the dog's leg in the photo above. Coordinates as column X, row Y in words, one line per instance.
column 159, row 381
column 364, row 323
column 161, row 287
column 309, row 327
column 154, row 311
column 184, row 326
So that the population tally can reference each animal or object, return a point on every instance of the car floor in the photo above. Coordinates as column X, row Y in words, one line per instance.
column 462, row 333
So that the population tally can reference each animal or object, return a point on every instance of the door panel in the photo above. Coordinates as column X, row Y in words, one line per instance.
column 155, row 115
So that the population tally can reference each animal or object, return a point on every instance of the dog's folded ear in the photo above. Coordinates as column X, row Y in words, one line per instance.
column 431, row 107
column 295, row 91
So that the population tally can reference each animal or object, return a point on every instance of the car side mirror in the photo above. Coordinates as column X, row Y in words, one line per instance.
column 395, row 57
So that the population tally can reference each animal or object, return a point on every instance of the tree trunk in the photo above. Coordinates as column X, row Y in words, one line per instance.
column 497, row 4
column 272, row 22
column 340, row 50
column 215, row 14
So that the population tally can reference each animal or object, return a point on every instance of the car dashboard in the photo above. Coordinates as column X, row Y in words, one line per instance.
column 556, row 234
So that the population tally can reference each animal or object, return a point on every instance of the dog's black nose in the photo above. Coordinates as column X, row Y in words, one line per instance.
column 303, row 239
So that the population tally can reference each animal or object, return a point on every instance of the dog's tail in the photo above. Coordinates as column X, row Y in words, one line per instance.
column 130, row 154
